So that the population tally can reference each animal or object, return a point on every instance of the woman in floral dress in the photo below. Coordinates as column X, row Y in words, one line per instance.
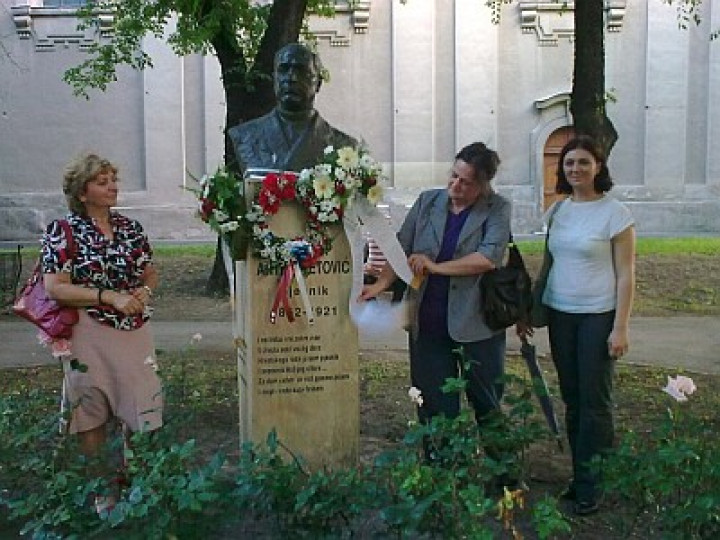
column 108, row 275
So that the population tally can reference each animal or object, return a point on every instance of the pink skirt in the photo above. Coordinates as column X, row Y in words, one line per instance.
column 120, row 381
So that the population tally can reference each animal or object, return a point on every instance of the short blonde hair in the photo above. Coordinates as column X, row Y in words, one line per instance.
column 78, row 173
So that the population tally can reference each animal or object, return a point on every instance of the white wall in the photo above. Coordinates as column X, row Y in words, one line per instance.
column 426, row 78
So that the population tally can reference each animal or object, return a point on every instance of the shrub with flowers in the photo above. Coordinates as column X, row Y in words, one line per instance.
column 324, row 191
column 671, row 472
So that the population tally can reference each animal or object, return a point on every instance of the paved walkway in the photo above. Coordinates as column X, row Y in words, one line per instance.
column 683, row 343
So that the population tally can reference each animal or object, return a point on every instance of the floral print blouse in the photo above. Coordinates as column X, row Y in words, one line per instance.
column 98, row 262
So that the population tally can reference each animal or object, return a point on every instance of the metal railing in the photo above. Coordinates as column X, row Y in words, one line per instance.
column 10, row 271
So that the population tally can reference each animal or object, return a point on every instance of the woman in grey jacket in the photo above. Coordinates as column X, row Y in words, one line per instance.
column 452, row 237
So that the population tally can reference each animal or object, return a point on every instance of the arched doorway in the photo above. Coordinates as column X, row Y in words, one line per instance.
column 551, row 154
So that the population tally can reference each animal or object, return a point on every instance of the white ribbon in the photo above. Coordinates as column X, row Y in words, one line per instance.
column 228, row 262
column 359, row 215
column 303, row 293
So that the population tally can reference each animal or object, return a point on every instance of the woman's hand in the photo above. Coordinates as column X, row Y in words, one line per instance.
column 371, row 291
column 618, row 343
column 421, row 264
column 524, row 330
column 127, row 304
column 144, row 294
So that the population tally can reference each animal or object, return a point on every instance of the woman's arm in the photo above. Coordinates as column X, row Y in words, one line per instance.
column 623, row 250
column 496, row 232
column 469, row 265
column 383, row 282
column 60, row 288
column 150, row 282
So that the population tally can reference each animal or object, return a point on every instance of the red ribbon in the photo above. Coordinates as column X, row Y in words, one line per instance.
column 281, row 295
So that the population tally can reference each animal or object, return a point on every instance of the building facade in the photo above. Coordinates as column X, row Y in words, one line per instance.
column 414, row 80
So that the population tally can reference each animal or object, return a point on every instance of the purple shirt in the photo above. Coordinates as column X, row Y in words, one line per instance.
column 433, row 313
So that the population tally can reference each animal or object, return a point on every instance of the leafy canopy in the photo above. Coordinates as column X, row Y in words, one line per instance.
column 189, row 26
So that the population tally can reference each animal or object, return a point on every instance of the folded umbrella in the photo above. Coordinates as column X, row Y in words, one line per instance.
column 529, row 354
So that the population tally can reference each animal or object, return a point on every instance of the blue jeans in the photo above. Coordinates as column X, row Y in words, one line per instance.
column 578, row 343
column 433, row 360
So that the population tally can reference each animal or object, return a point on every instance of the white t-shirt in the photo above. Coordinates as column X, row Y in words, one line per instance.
column 582, row 277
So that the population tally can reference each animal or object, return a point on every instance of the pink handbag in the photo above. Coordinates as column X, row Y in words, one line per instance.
column 34, row 304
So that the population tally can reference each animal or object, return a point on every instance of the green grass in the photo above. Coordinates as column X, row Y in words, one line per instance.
column 169, row 250
column 679, row 246
column 645, row 246
column 651, row 246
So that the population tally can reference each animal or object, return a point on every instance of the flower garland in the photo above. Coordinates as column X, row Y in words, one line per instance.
column 324, row 191
column 220, row 202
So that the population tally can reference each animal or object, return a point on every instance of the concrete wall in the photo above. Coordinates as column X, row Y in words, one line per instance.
column 416, row 81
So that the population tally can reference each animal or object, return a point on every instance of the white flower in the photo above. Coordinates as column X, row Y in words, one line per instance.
column 328, row 205
column 351, row 182
column 229, row 226
column 323, row 186
column 679, row 388
column 347, row 157
column 375, row 194
column 367, row 162
column 324, row 169
column 328, row 150
column 150, row 361
column 220, row 216
column 685, row 384
column 254, row 215
column 415, row 396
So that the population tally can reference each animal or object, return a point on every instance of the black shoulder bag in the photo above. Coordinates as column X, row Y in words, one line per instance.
column 506, row 292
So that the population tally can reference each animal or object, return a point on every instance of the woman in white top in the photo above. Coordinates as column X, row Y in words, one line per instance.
column 589, row 292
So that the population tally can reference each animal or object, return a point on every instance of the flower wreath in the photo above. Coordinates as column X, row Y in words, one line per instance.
column 324, row 191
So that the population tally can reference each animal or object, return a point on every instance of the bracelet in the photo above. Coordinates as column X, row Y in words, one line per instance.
column 148, row 289
column 100, row 291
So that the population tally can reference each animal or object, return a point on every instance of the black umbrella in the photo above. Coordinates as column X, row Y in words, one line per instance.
column 529, row 354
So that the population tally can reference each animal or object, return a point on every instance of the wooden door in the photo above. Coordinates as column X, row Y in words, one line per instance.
column 553, row 146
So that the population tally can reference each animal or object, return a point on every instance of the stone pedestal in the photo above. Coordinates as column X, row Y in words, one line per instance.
column 297, row 378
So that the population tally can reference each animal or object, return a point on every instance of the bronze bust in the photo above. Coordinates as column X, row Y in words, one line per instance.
column 293, row 135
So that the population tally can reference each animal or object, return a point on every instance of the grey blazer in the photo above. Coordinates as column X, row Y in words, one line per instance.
column 486, row 231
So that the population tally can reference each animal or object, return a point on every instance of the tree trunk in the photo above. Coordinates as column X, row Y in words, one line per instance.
column 587, row 103
column 248, row 98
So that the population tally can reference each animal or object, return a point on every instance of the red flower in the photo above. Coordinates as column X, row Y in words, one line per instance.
column 281, row 186
column 269, row 201
column 206, row 208
column 286, row 185
column 312, row 216
column 309, row 262
column 339, row 212
column 270, row 183
column 339, row 188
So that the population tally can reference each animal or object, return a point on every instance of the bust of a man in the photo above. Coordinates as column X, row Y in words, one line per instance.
column 293, row 135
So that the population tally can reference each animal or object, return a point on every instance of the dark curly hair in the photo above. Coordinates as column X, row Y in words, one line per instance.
column 484, row 161
column 603, row 182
